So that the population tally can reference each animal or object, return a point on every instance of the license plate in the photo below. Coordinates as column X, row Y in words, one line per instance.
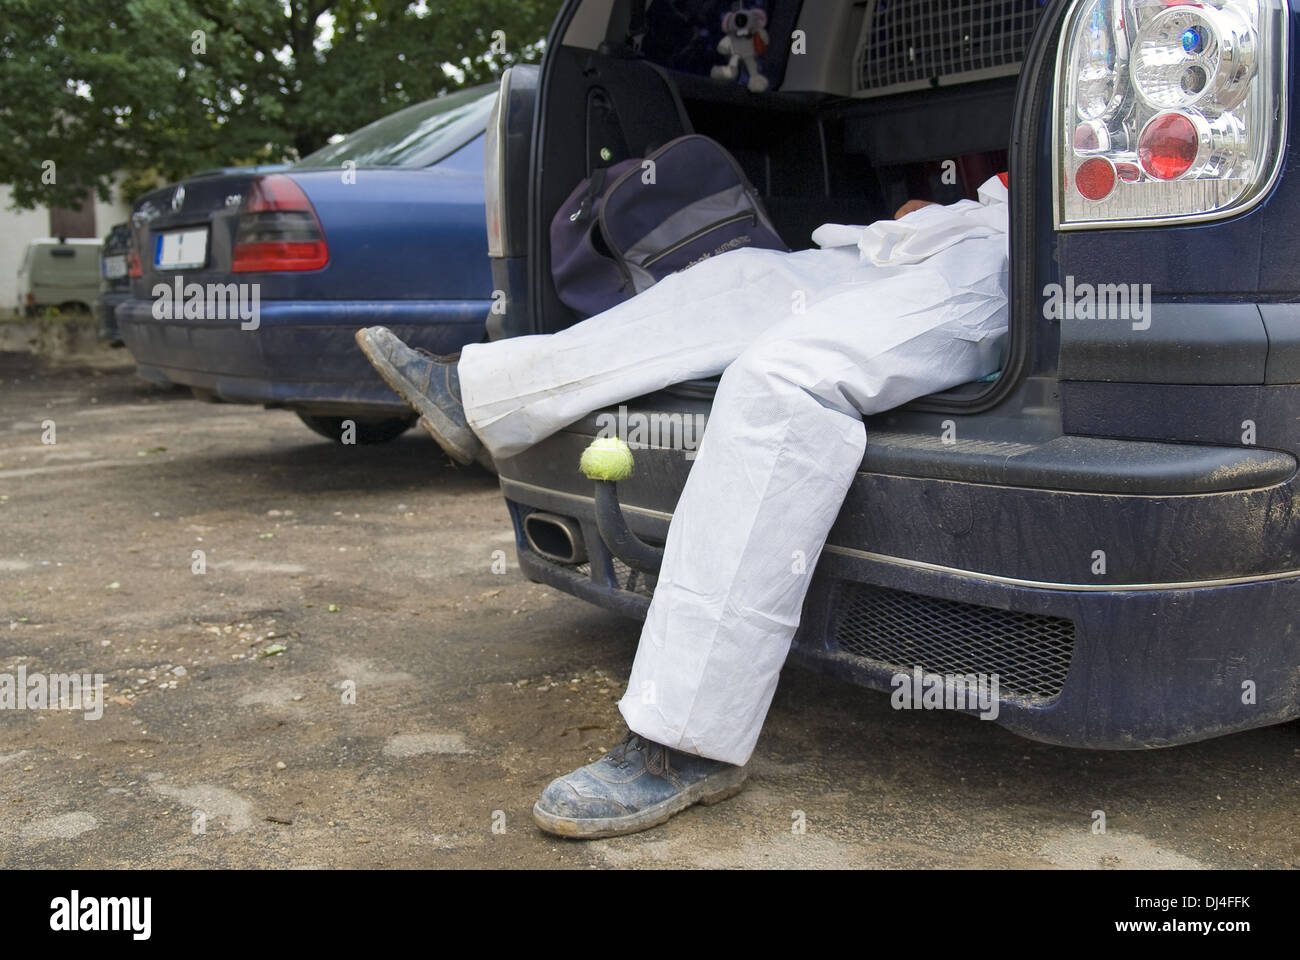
column 114, row 268
column 181, row 249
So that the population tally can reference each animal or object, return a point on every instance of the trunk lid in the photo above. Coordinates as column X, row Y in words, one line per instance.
column 205, row 203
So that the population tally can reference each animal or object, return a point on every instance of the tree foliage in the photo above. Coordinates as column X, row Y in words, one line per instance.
column 159, row 89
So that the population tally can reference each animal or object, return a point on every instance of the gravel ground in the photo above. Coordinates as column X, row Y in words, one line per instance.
column 227, row 739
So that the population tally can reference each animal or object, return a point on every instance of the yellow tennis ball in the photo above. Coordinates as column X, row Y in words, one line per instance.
column 608, row 458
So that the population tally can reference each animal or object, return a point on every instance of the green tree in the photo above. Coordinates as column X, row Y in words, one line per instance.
column 157, row 89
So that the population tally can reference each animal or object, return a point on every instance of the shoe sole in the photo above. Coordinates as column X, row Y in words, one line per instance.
column 711, row 790
column 431, row 417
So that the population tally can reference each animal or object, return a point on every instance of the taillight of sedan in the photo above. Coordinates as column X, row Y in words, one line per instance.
column 278, row 229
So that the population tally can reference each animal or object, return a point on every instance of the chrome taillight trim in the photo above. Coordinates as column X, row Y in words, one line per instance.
column 1266, row 186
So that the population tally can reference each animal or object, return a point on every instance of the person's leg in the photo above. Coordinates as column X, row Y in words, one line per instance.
column 782, row 446
column 512, row 393
column 689, row 325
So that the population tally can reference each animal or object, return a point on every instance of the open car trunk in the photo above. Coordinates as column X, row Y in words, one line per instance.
column 895, row 106
column 624, row 84
column 847, row 139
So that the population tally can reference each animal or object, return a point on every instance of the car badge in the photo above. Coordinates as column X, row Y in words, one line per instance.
column 145, row 214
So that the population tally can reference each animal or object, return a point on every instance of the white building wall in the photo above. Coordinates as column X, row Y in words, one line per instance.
column 19, row 227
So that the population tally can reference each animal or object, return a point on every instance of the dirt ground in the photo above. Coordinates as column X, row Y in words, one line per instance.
column 226, row 740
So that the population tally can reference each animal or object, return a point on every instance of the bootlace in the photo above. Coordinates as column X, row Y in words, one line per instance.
column 656, row 754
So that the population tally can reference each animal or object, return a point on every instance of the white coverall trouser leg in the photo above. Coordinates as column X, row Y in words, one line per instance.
column 783, row 443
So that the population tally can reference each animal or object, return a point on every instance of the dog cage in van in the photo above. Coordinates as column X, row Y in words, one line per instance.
column 908, row 45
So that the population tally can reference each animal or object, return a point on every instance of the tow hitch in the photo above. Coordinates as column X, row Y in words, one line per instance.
column 607, row 461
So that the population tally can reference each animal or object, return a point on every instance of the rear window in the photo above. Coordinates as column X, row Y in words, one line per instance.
column 63, row 263
column 414, row 137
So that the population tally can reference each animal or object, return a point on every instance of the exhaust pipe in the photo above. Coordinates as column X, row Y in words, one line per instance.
column 555, row 538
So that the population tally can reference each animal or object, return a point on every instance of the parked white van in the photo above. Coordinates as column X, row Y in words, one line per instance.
column 61, row 273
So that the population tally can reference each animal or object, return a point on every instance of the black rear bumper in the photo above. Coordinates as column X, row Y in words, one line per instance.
column 1184, row 631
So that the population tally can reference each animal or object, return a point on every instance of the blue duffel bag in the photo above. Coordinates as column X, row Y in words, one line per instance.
column 630, row 225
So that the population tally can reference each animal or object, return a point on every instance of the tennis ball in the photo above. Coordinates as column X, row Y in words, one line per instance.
column 608, row 458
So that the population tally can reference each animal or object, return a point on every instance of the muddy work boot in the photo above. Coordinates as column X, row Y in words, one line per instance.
column 428, row 383
column 636, row 785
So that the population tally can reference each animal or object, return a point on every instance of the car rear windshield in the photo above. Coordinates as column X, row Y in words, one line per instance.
column 414, row 137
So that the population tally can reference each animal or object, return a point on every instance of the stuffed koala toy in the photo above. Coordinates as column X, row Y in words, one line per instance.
column 746, row 40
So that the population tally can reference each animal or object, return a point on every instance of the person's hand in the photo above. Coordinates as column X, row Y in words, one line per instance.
column 911, row 205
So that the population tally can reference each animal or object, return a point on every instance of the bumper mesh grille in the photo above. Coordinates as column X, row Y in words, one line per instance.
column 1029, row 653
column 911, row 43
column 633, row 581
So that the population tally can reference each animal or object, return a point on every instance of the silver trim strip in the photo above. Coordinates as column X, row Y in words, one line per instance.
column 494, row 146
column 957, row 571
column 547, row 491
column 1070, row 587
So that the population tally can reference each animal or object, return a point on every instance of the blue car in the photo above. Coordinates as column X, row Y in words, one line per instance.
column 247, row 285
column 1109, row 525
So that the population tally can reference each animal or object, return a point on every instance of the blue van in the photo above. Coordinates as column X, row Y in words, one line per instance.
column 1111, row 524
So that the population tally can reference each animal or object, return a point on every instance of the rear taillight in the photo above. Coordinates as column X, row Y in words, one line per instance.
column 133, row 267
column 278, row 229
column 1168, row 110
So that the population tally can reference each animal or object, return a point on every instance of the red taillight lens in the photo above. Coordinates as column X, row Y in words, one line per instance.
column 278, row 229
column 1168, row 146
column 1128, row 172
column 1095, row 178
column 133, row 267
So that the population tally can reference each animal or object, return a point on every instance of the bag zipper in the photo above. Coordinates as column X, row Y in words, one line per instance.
column 702, row 232
column 618, row 258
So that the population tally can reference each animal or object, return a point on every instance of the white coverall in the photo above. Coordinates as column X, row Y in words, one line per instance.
column 892, row 312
